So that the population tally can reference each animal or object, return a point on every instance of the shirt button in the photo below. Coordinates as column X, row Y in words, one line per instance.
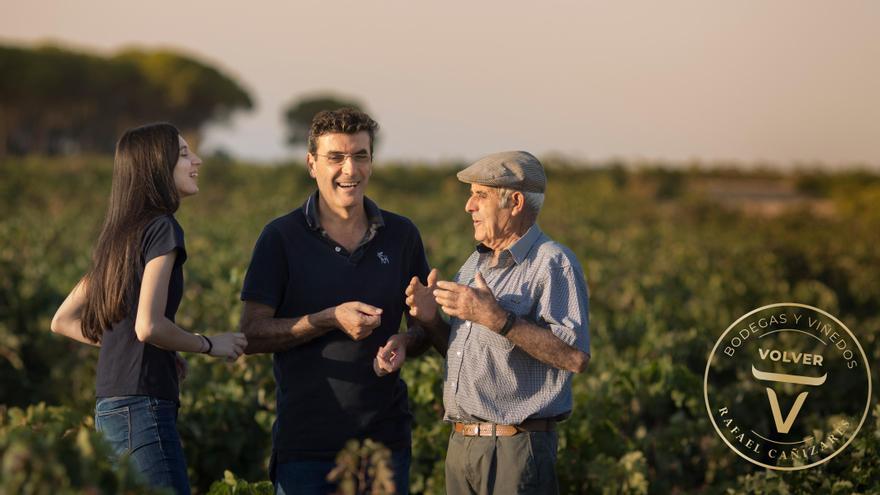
column 338, row 249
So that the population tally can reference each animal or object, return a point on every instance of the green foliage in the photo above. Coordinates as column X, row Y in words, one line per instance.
column 230, row 485
column 363, row 468
column 54, row 450
column 220, row 423
column 666, row 278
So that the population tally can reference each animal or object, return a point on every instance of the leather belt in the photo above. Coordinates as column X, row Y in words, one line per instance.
column 496, row 430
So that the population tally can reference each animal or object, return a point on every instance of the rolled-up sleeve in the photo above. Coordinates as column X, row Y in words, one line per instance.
column 563, row 306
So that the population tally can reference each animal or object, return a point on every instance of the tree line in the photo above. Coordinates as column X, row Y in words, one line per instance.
column 57, row 100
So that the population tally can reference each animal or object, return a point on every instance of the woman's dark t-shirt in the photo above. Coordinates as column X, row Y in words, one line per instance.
column 127, row 366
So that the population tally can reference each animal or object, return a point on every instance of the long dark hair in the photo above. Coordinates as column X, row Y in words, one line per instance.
column 143, row 188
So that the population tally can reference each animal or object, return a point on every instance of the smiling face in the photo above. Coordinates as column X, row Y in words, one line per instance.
column 186, row 172
column 341, row 186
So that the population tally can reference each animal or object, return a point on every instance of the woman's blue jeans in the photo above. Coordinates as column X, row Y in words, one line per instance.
column 145, row 428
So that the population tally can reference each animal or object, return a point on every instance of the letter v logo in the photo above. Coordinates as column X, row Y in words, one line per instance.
column 813, row 381
column 784, row 426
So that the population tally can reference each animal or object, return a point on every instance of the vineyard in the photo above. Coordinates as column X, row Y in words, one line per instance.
column 672, row 257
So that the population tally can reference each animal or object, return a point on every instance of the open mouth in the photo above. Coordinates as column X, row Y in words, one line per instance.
column 194, row 175
column 347, row 185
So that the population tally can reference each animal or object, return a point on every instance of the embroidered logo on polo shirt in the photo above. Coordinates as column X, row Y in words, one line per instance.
column 384, row 259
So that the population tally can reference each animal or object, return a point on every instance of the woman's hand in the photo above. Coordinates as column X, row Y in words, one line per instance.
column 228, row 345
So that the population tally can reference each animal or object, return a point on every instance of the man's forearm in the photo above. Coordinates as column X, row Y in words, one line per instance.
column 543, row 345
column 268, row 334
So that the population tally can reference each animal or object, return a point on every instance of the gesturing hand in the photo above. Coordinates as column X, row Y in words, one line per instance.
column 357, row 319
column 476, row 304
column 390, row 356
column 420, row 298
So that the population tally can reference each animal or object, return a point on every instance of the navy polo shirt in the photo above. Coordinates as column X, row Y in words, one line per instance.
column 327, row 392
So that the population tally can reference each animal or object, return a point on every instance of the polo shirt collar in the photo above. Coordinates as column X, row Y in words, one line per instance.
column 519, row 249
column 310, row 207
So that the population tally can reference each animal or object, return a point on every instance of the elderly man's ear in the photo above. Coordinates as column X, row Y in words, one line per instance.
column 517, row 203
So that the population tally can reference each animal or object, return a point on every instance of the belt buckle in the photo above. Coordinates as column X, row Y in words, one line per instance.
column 486, row 430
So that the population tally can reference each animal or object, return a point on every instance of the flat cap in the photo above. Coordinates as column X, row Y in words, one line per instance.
column 518, row 170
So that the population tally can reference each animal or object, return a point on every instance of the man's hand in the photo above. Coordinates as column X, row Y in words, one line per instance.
column 473, row 304
column 420, row 299
column 390, row 356
column 357, row 319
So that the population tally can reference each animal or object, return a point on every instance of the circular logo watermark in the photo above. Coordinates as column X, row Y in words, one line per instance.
column 787, row 386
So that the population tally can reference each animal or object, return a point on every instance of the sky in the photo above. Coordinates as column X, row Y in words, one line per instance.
column 751, row 81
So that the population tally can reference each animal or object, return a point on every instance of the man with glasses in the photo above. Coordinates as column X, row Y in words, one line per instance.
column 325, row 293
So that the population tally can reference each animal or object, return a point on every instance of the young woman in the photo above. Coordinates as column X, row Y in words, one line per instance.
column 127, row 301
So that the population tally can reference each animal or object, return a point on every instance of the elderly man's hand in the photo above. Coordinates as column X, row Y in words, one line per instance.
column 420, row 299
column 476, row 304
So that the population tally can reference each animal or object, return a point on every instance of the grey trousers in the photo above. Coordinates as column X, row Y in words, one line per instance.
column 522, row 464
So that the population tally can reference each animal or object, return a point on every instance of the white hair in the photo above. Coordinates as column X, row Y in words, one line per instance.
column 533, row 200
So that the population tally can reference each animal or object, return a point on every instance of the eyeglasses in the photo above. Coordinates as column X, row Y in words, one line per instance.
column 337, row 158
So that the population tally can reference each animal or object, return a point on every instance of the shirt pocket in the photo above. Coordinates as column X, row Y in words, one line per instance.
column 519, row 303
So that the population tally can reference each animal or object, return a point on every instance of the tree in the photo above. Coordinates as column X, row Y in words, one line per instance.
column 299, row 114
column 53, row 99
column 48, row 93
column 187, row 92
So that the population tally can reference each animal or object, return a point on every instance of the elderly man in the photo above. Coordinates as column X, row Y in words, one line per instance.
column 517, row 333
column 325, row 293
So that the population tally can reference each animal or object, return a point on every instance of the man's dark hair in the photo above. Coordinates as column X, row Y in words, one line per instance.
column 345, row 120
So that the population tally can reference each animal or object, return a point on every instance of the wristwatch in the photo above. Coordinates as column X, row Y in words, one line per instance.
column 508, row 324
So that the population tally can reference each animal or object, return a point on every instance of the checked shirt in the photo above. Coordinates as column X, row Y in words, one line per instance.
column 487, row 377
